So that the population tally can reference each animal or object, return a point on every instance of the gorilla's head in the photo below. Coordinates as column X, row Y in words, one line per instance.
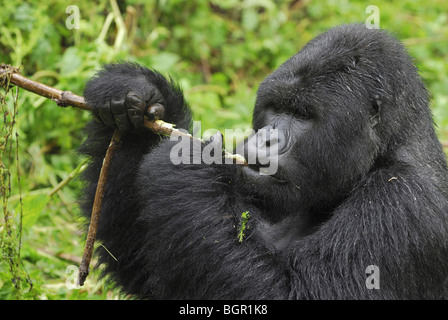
column 350, row 101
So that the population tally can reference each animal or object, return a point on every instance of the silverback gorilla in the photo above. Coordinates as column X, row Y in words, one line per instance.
column 361, row 184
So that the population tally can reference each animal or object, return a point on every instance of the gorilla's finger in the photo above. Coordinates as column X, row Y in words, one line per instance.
column 135, row 107
column 117, row 106
column 155, row 97
column 106, row 116
column 156, row 112
column 123, row 123
column 118, row 109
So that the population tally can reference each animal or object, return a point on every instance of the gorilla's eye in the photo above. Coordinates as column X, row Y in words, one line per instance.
column 299, row 114
column 276, row 108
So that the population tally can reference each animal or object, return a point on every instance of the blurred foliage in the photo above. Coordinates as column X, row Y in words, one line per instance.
column 218, row 50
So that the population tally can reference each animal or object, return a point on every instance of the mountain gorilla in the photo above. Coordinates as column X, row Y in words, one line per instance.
column 358, row 208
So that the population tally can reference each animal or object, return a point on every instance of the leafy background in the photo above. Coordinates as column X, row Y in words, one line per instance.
column 218, row 50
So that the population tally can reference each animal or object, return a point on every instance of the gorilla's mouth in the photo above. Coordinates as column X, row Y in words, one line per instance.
column 259, row 172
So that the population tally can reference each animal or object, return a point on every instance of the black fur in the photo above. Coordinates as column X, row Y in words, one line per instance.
column 364, row 183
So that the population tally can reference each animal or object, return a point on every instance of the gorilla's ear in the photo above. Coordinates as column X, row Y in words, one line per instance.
column 376, row 112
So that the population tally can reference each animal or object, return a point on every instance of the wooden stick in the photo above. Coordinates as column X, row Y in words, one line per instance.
column 95, row 217
column 62, row 98
column 67, row 98
column 9, row 74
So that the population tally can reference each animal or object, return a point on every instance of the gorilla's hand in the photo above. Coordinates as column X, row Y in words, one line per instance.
column 122, row 94
column 126, row 113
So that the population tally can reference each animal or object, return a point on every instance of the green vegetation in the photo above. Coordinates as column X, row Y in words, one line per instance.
column 217, row 50
column 243, row 225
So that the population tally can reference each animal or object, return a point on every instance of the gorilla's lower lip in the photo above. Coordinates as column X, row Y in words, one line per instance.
column 254, row 173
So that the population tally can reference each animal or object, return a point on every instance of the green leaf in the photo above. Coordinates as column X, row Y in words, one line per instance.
column 164, row 61
column 250, row 19
column 32, row 208
column 70, row 61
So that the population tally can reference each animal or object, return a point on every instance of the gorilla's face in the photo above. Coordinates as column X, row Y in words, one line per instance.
column 327, row 114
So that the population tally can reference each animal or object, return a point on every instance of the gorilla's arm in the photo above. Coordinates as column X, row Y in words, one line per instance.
column 190, row 250
column 107, row 92
column 121, row 206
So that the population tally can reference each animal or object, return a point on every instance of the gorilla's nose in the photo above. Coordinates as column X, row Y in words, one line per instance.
column 265, row 145
column 270, row 137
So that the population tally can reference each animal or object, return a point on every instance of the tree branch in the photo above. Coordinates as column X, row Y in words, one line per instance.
column 95, row 217
column 10, row 74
